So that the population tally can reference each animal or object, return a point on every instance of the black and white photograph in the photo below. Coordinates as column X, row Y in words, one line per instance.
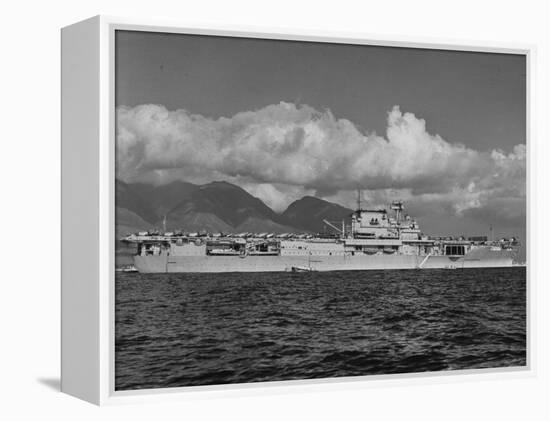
column 297, row 210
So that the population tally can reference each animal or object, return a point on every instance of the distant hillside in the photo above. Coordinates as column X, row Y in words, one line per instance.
column 196, row 221
column 228, row 202
column 132, row 198
column 265, row 225
column 166, row 197
column 149, row 202
column 309, row 212
column 215, row 207
column 128, row 222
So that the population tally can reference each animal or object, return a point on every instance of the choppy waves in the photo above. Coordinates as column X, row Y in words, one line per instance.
column 200, row 329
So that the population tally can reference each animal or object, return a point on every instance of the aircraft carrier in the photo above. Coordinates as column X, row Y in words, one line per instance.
column 375, row 239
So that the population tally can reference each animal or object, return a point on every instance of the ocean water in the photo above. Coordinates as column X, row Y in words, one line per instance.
column 200, row 329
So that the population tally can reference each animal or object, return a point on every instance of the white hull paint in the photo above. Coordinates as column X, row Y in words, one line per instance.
column 482, row 257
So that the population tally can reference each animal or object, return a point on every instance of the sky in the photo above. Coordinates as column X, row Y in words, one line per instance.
column 443, row 130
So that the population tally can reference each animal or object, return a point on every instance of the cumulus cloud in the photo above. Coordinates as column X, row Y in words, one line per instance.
column 282, row 151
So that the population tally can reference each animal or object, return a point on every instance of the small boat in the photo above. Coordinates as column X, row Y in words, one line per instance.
column 300, row 269
column 126, row 269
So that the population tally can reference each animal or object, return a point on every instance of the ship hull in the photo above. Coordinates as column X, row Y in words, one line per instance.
column 480, row 258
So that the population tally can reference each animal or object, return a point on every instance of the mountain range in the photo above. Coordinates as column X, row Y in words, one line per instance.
column 215, row 207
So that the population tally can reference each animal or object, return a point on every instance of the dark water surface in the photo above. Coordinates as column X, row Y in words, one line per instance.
column 198, row 329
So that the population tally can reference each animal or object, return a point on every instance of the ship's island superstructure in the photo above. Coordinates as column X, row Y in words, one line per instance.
column 375, row 239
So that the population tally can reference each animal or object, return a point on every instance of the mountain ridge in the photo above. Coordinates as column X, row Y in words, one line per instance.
column 310, row 212
column 218, row 206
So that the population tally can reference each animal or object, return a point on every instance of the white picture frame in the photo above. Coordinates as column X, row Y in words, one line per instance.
column 88, row 212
